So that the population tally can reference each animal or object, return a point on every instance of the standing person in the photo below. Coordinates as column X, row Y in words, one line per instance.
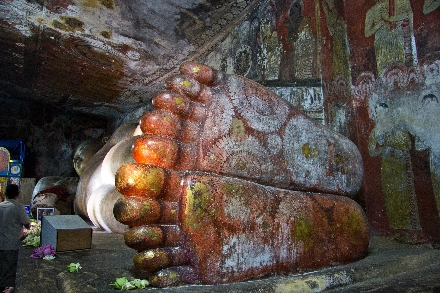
column 12, row 219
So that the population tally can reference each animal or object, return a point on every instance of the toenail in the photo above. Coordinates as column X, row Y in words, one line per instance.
column 141, row 238
column 133, row 211
column 155, row 150
column 143, row 181
column 151, row 260
column 160, row 123
column 165, row 278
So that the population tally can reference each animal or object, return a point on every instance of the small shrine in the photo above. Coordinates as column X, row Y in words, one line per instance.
column 12, row 154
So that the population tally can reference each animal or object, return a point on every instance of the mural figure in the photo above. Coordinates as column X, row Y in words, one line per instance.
column 391, row 23
column 428, row 112
column 338, row 30
column 430, row 5
column 299, row 46
column 394, row 145
column 231, row 183
column 270, row 49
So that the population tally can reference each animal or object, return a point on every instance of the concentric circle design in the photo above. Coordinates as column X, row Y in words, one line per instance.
column 264, row 112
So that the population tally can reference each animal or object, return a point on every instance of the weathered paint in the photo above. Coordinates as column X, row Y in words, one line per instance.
column 234, row 229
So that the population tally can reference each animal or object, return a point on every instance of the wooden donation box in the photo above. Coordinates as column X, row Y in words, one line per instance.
column 65, row 232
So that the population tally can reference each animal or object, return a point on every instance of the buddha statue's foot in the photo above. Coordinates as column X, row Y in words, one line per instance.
column 229, row 125
column 231, row 183
column 197, row 227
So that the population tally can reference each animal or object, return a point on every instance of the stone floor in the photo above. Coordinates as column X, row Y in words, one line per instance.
column 389, row 267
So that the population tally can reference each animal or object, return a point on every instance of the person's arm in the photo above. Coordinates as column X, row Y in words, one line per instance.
column 24, row 219
column 375, row 148
column 373, row 20
column 430, row 5
column 407, row 14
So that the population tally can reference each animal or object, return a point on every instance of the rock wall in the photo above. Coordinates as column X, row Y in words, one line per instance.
column 50, row 135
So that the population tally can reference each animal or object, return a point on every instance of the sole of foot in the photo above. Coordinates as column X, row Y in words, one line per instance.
column 232, row 183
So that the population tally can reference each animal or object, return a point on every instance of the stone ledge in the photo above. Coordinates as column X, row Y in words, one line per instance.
column 390, row 266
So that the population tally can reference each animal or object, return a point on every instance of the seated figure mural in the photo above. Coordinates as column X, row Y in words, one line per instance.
column 231, row 183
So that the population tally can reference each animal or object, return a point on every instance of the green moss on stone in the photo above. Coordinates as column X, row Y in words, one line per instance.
column 146, row 207
column 106, row 34
column 303, row 232
column 265, row 225
column 154, row 178
column 178, row 100
column 237, row 129
column 91, row 3
column 59, row 25
column 68, row 23
column 153, row 234
column 200, row 205
column 107, row 3
column 352, row 225
column 308, row 151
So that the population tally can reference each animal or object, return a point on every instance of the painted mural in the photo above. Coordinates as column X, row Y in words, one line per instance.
column 391, row 24
column 337, row 29
column 400, row 135
column 369, row 70
column 404, row 112
column 277, row 46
